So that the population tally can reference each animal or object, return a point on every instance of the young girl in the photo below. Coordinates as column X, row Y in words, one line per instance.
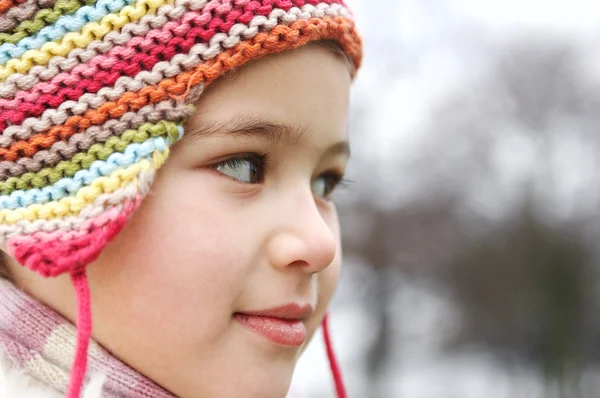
column 222, row 263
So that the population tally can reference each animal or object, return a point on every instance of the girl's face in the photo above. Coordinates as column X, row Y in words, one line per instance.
column 239, row 219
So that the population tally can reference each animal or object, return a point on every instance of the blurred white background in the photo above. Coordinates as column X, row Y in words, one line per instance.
column 470, row 228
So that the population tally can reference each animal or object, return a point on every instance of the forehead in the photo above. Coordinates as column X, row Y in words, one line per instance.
column 308, row 88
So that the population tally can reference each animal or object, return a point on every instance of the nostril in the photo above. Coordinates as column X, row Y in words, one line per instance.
column 299, row 263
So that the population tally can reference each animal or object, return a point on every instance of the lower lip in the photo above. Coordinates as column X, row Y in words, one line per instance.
column 280, row 331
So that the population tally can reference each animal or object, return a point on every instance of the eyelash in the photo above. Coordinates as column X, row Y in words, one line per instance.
column 262, row 161
column 336, row 179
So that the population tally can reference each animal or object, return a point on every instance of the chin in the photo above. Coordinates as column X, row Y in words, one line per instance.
column 274, row 389
column 253, row 382
column 270, row 383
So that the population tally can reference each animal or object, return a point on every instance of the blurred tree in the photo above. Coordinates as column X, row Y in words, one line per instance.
column 525, row 295
column 393, row 241
column 519, row 270
column 524, row 277
column 368, row 241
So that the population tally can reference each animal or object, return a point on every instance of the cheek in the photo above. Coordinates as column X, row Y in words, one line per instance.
column 178, row 258
column 328, row 279
column 327, row 282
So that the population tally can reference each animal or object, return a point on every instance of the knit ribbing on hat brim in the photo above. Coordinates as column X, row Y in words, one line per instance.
column 184, row 34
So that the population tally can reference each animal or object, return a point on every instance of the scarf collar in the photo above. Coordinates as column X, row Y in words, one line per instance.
column 41, row 343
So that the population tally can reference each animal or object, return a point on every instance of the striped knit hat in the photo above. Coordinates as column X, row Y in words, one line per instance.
column 93, row 94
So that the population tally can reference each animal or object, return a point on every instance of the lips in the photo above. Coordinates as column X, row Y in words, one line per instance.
column 281, row 325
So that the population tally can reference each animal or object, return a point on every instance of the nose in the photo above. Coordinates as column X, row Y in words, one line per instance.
column 302, row 238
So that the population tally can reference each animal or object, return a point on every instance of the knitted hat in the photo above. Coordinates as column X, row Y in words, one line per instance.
column 93, row 94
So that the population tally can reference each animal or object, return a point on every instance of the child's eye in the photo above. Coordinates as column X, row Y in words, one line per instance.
column 324, row 185
column 248, row 169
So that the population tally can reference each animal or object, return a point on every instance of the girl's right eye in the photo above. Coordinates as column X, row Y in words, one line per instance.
column 247, row 169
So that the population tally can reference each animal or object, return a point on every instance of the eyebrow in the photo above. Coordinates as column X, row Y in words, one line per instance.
column 252, row 126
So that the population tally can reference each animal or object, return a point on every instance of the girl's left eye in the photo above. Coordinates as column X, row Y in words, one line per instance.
column 324, row 185
column 248, row 169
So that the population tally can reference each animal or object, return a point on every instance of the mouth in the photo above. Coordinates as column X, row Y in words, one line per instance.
column 281, row 325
